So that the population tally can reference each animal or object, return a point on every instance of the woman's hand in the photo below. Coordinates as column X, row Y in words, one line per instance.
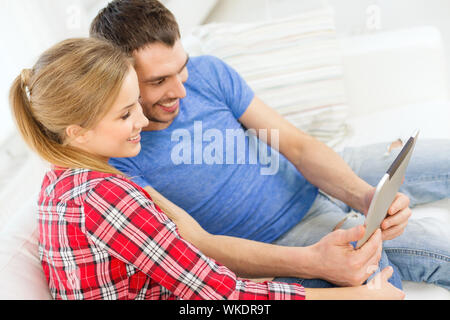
column 377, row 289
column 380, row 289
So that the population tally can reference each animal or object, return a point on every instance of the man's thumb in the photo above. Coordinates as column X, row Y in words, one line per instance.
column 350, row 235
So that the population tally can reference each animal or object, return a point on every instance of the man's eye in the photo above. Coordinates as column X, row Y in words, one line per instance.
column 159, row 82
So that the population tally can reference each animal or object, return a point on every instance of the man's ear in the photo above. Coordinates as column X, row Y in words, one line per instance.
column 77, row 134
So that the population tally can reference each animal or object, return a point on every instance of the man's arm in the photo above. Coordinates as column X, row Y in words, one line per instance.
column 254, row 259
column 247, row 258
column 332, row 258
column 318, row 163
column 323, row 167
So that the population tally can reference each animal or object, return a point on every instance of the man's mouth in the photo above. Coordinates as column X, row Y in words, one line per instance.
column 169, row 107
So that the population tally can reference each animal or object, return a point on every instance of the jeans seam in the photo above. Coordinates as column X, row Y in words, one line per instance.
column 428, row 178
column 416, row 252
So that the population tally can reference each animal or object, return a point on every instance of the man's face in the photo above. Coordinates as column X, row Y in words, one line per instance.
column 162, row 73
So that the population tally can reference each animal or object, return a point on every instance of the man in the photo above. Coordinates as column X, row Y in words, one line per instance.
column 287, row 222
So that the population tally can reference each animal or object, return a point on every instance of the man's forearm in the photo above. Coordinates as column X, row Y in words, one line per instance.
column 246, row 258
column 251, row 259
column 318, row 163
column 324, row 168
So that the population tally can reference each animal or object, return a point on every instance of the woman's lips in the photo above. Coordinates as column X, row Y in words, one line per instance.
column 136, row 139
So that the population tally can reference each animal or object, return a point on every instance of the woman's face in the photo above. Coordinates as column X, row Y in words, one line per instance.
column 117, row 135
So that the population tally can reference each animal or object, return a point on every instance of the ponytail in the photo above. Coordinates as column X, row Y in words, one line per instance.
column 29, row 128
column 42, row 116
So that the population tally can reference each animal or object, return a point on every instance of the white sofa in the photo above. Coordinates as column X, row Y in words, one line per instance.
column 395, row 82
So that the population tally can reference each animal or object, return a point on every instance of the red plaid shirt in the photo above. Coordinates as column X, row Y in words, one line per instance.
column 102, row 237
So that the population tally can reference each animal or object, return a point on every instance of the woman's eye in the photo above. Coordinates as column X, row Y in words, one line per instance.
column 125, row 117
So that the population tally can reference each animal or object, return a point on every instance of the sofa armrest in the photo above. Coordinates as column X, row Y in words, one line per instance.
column 388, row 69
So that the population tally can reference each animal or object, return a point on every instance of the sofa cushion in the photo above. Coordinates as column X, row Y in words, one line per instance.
column 21, row 274
column 293, row 64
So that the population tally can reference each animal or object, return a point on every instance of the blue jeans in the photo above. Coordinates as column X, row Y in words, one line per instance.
column 422, row 252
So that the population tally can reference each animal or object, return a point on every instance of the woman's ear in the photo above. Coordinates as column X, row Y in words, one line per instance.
column 77, row 134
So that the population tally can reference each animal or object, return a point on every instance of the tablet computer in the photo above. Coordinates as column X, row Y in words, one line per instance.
column 387, row 189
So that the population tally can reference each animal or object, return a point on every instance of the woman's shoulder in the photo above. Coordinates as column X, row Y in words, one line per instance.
column 94, row 191
column 66, row 184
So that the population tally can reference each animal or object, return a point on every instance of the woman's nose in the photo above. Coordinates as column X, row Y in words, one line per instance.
column 142, row 120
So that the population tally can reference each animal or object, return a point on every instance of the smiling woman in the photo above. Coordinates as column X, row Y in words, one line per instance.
column 59, row 122
column 100, row 235
column 118, row 132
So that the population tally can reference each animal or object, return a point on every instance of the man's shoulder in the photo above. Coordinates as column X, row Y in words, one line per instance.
column 205, row 60
column 205, row 75
column 131, row 166
column 205, row 64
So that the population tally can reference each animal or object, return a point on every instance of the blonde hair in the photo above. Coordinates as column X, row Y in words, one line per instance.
column 73, row 83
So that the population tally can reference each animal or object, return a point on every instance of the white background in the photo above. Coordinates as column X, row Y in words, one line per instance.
column 28, row 27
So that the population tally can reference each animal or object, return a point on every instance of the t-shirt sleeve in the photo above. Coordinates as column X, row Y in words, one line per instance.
column 128, row 167
column 235, row 91
column 123, row 220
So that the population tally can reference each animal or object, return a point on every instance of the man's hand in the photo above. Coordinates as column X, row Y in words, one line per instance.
column 341, row 264
column 397, row 215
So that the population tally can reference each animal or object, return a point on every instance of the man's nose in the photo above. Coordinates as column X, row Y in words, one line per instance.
column 177, row 89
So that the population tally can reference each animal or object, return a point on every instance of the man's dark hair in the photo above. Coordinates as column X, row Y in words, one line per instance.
column 133, row 24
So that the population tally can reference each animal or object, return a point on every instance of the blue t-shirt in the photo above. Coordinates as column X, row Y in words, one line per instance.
column 209, row 165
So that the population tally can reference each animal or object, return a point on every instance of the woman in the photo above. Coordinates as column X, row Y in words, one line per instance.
column 101, row 235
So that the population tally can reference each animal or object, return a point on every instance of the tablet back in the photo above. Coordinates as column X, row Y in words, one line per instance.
column 387, row 189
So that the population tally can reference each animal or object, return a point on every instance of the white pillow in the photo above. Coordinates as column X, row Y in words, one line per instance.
column 293, row 64
column 14, row 154
column 21, row 274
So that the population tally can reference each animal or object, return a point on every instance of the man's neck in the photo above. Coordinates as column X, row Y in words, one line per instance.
column 157, row 126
